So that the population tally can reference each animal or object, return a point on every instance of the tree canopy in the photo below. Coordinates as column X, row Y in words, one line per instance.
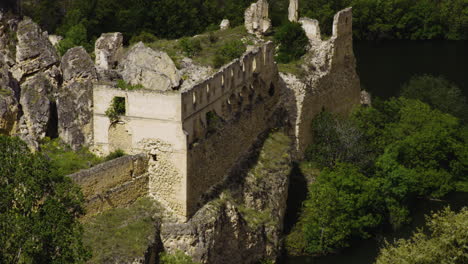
column 38, row 209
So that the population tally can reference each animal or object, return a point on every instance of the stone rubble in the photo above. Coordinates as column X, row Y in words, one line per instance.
column 225, row 24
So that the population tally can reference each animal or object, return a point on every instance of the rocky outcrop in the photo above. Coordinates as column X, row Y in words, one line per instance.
column 225, row 24
column 107, row 49
column 74, row 102
column 55, row 39
column 311, row 28
column 193, row 73
column 244, row 224
column 256, row 18
column 155, row 70
column 293, row 10
column 34, row 52
column 8, row 103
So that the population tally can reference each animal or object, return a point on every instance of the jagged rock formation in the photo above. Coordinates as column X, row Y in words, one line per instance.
column 8, row 101
column 293, row 10
column 311, row 28
column 256, row 18
column 225, row 24
column 107, row 49
column 74, row 102
column 155, row 70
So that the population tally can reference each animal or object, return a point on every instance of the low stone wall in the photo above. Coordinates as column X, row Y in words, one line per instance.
column 114, row 183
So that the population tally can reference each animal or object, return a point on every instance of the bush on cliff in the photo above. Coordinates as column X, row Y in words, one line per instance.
column 38, row 209
column 292, row 41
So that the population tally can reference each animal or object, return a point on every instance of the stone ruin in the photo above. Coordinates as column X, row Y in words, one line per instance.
column 256, row 18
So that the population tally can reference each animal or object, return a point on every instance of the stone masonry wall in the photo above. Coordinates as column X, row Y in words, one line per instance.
column 114, row 183
column 224, row 116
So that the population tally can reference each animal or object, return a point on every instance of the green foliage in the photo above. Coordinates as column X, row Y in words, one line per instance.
column 179, row 257
column 75, row 36
column 121, row 233
column 342, row 203
column 338, row 140
column 292, row 41
column 38, row 209
column 402, row 19
column 64, row 160
column 115, row 154
column 438, row 93
column 116, row 109
column 144, row 37
column 121, row 84
column 190, row 46
column 446, row 242
column 229, row 51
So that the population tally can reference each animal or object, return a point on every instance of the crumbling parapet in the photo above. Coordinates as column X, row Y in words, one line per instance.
column 311, row 28
column 256, row 18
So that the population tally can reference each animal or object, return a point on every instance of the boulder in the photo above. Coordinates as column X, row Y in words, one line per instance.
column 8, row 102
column 225, row 24
column 75, row 98
column 311, row 28
column 256, row 18
column 293, row 10
column 34, row 52
column 366, row 98
column 155, row 70
column 36, row 106
column 107, row 49
column 55, row 39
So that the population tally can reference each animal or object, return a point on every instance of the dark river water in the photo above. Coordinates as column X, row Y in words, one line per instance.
column 383, row 68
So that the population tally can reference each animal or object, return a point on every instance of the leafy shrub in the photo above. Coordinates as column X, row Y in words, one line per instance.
column 64, row 160
column 190, row 46
column 121, row 84
column 292, row 41
column 116, row 109
column 144, row 37
column 228, row 51
column 177, row 258
column 446, row 242
column 115, row 154
column 438, row 93
column 75, row 36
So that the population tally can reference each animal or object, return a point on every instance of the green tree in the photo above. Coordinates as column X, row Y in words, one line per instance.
column 438, row 93
column 342, row 203
column 75, row 36
column 292, row 41
column 446, row 242
column 38, row 209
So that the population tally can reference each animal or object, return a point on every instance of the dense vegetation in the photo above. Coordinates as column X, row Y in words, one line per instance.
column 446, row 242
column 373, row 164
column 39, row 208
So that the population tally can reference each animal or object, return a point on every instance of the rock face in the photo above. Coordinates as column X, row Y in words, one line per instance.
column 311, row 28
column 74, row 102
column 107, row 49
column 256, row 18
column 55, row 39
column 155, row 70
column 225, row 24
column 293, row 10
column 366, row 98
column 8, row 102
column 34, row 51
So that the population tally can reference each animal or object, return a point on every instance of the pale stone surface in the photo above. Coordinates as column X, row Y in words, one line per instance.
column 34, row 52
column 311, row 28
column 293, row 10
column 55, row 39
column 107, row 50
column 225, row 24
column 366, row 98
column 74, row 102
column 256, row 18
column 193, row 73
column 155, row 70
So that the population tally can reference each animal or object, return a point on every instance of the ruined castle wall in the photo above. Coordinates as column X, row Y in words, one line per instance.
column 242, row 97
column 338, row 88
column 152, row 124
column 114, row 183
